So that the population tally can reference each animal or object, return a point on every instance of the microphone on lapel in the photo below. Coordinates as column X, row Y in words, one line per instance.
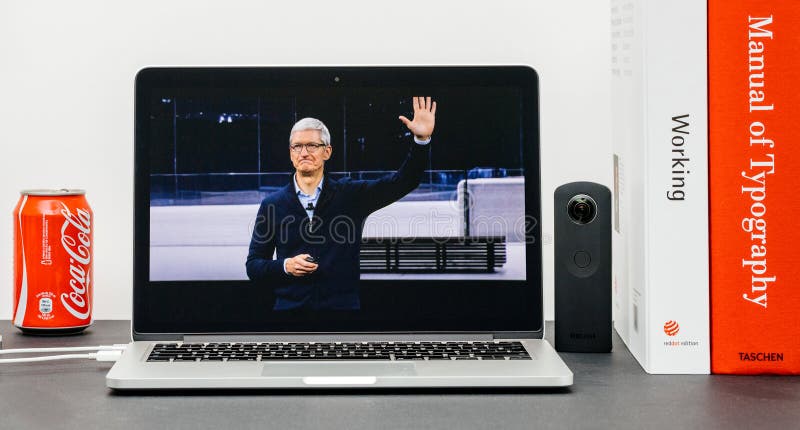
column 310, row 207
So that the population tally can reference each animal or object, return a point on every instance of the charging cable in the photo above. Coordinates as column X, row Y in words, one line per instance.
column 98, row 353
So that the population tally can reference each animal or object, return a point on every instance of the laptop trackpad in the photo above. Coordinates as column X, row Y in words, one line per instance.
column 328, row 371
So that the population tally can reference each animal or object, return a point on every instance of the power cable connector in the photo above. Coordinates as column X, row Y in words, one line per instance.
column 107, row 353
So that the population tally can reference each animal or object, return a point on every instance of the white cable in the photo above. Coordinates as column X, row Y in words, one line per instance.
column 45, row 358
column 116, row 347
column 103, row 353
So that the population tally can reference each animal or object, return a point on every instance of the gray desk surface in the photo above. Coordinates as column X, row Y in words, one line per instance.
column 610, row 391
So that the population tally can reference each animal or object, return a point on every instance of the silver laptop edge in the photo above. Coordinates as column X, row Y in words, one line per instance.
column 545, row 370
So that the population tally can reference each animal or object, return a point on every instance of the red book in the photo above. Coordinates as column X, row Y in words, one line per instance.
column 754, row 168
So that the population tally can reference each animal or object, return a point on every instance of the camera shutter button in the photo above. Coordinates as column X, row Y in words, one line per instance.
column 582, row 259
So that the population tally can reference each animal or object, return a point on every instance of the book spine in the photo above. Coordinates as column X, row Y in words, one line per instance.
column 675, row 58
column 661, row 155
column 754, row 99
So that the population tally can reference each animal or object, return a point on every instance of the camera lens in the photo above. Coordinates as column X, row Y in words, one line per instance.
column 582, row 209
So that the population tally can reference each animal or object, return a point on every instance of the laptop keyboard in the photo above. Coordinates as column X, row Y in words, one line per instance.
column 282, row 351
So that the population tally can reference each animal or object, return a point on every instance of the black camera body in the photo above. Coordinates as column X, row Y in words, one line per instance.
column 582, row 263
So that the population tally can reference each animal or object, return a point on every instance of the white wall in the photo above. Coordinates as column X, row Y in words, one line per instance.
column 67, row 69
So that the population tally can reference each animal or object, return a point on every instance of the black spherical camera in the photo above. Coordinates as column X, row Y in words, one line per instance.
column 582, row 209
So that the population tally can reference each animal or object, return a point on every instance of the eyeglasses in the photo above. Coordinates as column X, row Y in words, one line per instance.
column 312, row 148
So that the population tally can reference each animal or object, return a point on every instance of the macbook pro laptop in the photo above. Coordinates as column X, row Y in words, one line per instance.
column 337, row 227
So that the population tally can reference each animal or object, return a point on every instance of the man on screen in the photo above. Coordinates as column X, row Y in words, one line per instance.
column 314, row 224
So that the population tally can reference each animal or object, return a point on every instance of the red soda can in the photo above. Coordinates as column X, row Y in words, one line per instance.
column 53, row 261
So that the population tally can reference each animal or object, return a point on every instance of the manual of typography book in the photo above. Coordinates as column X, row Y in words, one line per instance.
column 660, row 145
column 754, row 125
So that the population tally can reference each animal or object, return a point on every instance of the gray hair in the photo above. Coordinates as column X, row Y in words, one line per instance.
column 312, row 124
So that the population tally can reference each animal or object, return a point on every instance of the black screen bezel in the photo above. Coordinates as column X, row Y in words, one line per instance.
column 155, row 303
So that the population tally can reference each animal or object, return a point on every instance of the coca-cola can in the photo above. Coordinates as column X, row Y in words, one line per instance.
column 53, row 261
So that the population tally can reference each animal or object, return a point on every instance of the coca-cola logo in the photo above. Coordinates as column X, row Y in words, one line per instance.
column 76, row 233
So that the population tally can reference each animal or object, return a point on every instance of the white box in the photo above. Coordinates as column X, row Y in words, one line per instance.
column 660, row 231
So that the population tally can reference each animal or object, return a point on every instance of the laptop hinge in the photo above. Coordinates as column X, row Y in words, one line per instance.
column 519, row 335
column 339, row 337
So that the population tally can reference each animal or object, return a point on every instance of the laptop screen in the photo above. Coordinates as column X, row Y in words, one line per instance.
column 337, row 199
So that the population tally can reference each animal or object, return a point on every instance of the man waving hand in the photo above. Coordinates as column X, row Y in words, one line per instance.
column 315, row 266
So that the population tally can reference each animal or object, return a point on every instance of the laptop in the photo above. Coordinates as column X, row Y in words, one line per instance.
column 337, row 227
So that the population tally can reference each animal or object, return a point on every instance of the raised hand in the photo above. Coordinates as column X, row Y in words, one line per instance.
column 424, row 118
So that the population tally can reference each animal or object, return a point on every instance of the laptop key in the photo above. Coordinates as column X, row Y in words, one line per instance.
column 165, row 358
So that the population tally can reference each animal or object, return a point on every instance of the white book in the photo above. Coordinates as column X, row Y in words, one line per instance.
column 660, row 145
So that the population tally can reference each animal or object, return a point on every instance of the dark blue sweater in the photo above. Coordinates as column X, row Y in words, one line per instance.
column 333, row 236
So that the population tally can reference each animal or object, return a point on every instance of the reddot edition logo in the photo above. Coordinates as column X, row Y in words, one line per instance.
column 671, row 328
